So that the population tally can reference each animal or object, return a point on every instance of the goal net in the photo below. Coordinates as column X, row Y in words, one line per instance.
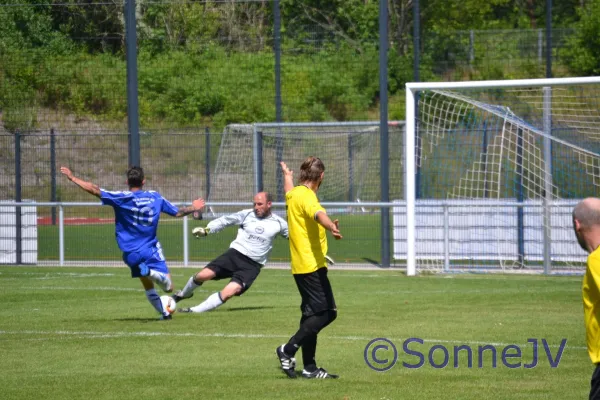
column 249, row 156
column 495, row 171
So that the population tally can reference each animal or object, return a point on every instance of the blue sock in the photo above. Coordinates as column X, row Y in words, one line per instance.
column 154, row 299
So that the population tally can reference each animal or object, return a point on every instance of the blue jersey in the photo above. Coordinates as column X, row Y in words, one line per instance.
column 136, row 216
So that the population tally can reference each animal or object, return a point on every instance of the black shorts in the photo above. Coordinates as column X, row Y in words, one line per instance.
column 595, row 384
column 233, row 264
column 316, row 292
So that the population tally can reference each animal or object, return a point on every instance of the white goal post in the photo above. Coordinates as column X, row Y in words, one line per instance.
column 493, row 169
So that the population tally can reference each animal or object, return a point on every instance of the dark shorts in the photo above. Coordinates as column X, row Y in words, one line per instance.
column 141, row 261
column 316, row 292
column 595, row 387
column 233, row 264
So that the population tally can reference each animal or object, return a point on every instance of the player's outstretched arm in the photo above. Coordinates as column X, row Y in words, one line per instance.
column 327, row 223
column 89, row 187
column 197, row 205
column 288, row 177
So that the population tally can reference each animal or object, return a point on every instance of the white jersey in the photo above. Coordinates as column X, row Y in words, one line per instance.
column 255, row 235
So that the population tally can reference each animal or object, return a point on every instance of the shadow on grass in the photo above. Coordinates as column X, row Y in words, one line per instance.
column 373, row 262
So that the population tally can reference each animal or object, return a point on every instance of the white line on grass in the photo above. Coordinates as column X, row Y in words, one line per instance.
column 384, row 292
column 109, row 335
column 61, row 274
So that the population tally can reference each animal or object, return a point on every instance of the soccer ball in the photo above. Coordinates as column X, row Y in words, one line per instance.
column 168, row 303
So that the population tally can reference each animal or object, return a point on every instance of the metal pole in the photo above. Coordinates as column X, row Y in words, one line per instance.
column 409, row 195
column 207, row 160
column 186, row 245
column 350, row 167
column 417, row 78
column 61, row 236
column 383, row 131
column 53, row 174
column 18, row 199
column 278, row 101
column 520, row 222
column 548, row 38
column 132, row 84
column 258, row 160
column 416, row 39
column 547, row 180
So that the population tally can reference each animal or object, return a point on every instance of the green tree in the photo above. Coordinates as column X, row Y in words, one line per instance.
column 582, row 54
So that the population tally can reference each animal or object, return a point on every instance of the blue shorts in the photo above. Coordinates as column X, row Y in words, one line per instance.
column 143, row 260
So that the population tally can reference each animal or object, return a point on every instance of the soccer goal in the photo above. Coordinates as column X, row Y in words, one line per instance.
column 249, row 154
column 493, row 171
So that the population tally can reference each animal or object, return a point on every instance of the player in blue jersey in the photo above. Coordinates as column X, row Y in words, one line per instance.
column 137, row 212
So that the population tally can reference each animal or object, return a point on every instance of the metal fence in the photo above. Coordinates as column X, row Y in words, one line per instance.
column 66, row 93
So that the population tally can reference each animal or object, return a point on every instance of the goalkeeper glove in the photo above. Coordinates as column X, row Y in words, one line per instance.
column 200, row 232
column 329, row 260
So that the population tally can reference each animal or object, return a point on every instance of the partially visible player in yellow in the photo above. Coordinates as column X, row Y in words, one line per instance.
column 307, row 225
column 586, row 222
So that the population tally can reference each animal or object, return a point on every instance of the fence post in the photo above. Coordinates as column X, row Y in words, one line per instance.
column 278, row 105
column 132, row 84
column 53, row 174
column 350, row 167
column 61, row 236
column 18, row 221
column 548, row 38
column 258, row 159
column 207, row 160
column 383, row 131
column 186, row 246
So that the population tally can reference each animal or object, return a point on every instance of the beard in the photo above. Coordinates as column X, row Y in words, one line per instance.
column 581, row 242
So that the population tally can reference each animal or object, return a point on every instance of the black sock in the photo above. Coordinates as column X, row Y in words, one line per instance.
column 290, row 349
column 309, row 349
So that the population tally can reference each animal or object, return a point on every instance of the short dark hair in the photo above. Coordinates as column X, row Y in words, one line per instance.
column 135, row 177
column 311, row 169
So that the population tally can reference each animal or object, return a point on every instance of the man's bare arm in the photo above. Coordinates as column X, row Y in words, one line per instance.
column 197, row 205
column 332, row 226
column 288, row 177
column 89, row 187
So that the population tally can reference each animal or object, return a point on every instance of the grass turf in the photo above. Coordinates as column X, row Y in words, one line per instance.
column 97, row 241
column 89, row 333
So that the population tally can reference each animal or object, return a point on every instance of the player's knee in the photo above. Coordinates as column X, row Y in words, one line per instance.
column 200, row 277
column 231, row 290
column 225, row 296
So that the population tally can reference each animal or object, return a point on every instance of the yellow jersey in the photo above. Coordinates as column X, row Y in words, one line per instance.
column 591, row 305
column 308, row 239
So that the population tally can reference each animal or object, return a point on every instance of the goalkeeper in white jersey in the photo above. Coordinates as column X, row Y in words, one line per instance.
column 245, row 257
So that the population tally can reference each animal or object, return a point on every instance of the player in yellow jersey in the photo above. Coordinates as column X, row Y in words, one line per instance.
column 307, row 225
column 586, row 222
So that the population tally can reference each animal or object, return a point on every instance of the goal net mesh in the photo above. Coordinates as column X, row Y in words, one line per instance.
column 349, row 151
column 498, row 172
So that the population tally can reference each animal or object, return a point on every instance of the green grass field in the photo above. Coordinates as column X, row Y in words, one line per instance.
column 89, row 333
column 97, row 241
